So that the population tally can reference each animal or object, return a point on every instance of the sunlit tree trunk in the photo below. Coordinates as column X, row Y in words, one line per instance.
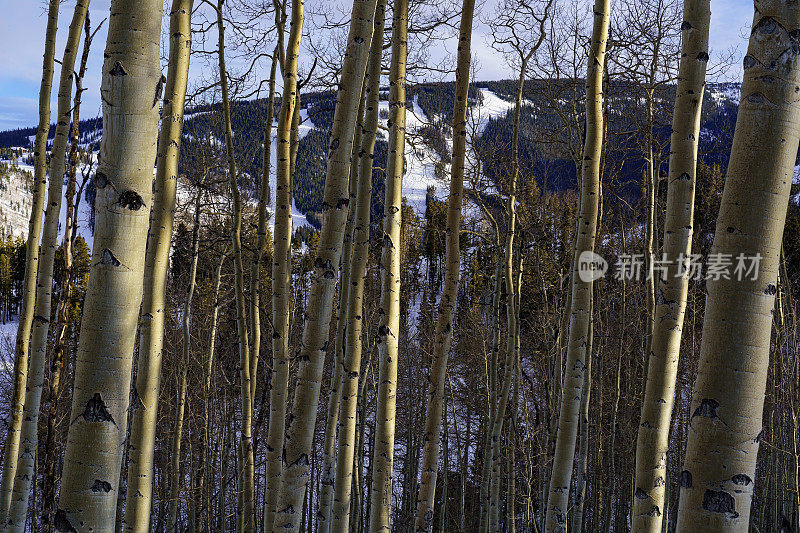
column 65, row 302
column 282, row 268
column 299, row 434
column 653, row 437
column 28, row 435
column 444, row 326
column 22, row 345
column 728, row 396
column 98, row 422
column 138, row 502
column 558, row 493
column 352, row 375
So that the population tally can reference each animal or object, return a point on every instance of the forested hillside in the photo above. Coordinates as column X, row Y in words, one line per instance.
column 311, row 272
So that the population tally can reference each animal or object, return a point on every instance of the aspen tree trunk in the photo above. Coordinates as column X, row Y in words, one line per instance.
column 186, row 331
column 346, row 360
column 486, row 467
column 352, row 372
column 300, row 433
column 247, row 489
column 22, row 345
column 558, row 494
column 65, row 300
column 28, row 432
column 138, row 503
column 728, row 396
column 206, row 464
column 653, row 437
column 511, row 343
column 98, row 422
column 511, row 307
column 261, row 239
column 444, row 324
column 332, row 418
column 282, row 268
column 583, row 446
column 335, row 395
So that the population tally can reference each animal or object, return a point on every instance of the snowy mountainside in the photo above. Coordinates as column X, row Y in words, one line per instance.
column 428, row 144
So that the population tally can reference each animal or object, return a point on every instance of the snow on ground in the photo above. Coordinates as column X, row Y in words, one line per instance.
column 15, row 200
column 298, row 218
column 721, row 92
column 8, row 331
column 421, row 160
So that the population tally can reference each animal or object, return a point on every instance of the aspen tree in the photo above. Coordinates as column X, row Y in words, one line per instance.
column 138, row 503
column 444, row 325
column 261, row 232
column 247, row 489
column 131, row 82
column 22, row 344
column 566, row 437
column 282, row 267
column 335, row 393
column 205, row 466
column 65, row 302
column 511, row 342
column 18, row 511
column 352, row 375
column 186, row 333
column 653, row 437
column 299, row 434
column 581, row 458
column 728, row 396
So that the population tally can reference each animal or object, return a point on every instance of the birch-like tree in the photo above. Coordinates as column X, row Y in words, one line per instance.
column 319, row 307
column 447, row 302
column 352, row 369
column 138, row 502
column 22, row 344
column 558, row 493
column 725, row 427
column 132, row 83
column 282, row 265
column 44, row 286
column 672, row 289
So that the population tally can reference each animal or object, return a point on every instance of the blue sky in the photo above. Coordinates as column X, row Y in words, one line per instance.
column 22, row 26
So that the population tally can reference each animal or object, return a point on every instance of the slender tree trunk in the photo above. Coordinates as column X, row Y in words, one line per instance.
column 205, row 468
column 151, row 332
column 444, row 325
column 247, row 489
column 653, row 438
column 299, row 435
column 352, row 372
column 28, row 434
column 98, row 422
column 22, row 346
column 583, row 447
column 511, row 343
column 486, row 467
column 64, row 306
column 558, row 494
column 261, row 238
column 186, row 331
column 282, row 268
column 728, row 396
column 335, row 394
